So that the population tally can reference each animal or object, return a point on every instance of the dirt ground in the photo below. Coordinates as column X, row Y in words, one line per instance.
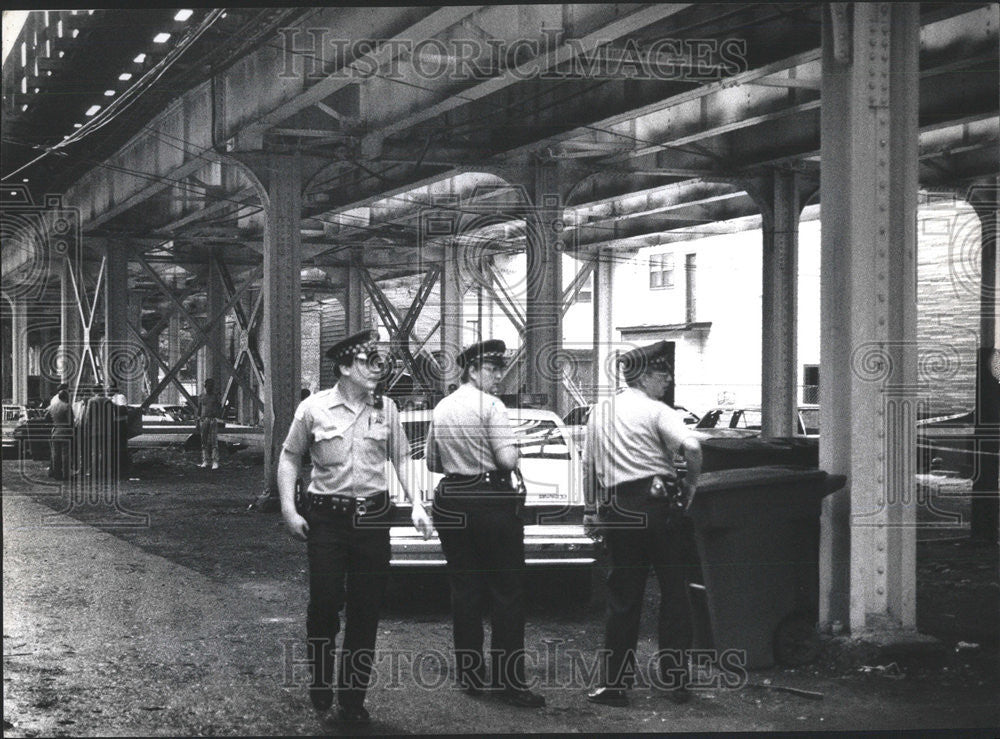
column 182, row 613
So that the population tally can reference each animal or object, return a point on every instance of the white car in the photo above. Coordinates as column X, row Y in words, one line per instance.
column 552, row 471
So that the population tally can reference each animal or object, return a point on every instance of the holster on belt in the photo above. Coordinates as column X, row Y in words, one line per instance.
column 669, row 490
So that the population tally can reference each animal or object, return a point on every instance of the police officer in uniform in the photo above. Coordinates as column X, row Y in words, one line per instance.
column 350, row 432
column 471, row 441
column 636, row 500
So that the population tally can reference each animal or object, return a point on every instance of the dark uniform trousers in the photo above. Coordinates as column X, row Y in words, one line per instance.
column 345, row 551
column 483, row 542
column 635, row 545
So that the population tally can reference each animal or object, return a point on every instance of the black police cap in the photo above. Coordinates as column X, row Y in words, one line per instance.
column 643, row 359
column 491, row 350
column 363, row 341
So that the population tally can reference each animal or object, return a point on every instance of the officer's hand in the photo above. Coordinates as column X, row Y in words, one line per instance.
column 688, row 489
column 421, row 521
column 297, row 526
column 591, row 526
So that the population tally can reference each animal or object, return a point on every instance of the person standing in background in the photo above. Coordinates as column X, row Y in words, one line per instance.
column 61, row 438
column 209, row 412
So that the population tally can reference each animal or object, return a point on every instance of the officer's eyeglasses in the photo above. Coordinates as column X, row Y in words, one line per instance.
column 372, row 363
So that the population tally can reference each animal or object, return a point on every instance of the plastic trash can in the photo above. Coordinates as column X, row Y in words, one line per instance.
column 757, row 535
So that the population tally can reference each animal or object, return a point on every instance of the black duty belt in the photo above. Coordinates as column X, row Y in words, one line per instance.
column 494, row 479
column 656, row 488
column 345, row 504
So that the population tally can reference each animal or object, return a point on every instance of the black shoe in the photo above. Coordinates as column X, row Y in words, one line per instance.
column 522, row 698
column 609, row 697
column 358, row 715
column 322, row 698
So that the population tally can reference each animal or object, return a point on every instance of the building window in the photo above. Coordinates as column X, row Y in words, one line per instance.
column 661, row 271
column 810, row 383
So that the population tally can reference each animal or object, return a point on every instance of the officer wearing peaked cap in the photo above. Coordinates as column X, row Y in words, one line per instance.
column 349, row 432
column 471, row 441
column 633, row 493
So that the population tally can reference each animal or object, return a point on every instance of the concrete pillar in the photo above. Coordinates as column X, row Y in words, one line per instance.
column 543, row 281
column 452, row 314
column 354, row 309
column 604, row 372
column 215, row 355
column 70, row 326
column 281, row 330
column 869, row 395
column 985, row 199
column 122, row 357
column 778, row 198
column 19, row 350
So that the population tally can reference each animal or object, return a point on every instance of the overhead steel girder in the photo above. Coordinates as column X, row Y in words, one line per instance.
column 583, row 133
column 253, row 91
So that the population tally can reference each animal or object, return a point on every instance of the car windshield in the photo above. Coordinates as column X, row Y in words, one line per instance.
column 716, row 418
column 537, row 438
column 578, row 416
column 747, row 419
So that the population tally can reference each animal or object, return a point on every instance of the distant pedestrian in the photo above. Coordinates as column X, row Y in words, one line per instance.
column 61, row 413
column 209, row 413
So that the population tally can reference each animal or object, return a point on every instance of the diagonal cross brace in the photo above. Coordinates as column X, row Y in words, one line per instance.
column 245, row 322
column 202, row 336
column 155, row 354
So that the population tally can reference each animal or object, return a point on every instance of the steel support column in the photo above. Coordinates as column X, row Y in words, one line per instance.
column 605, row 376
column 19, row 351
column 543, row 280
column 133, row 387
column 452, row 293
column 985, row 199
column 354, row 310
column 281, row 331
column 778, row 196
column 121, row 358
column 71, row 325
column 216, row 365
column 170, row 393
column 152, row 365
column 869, row 395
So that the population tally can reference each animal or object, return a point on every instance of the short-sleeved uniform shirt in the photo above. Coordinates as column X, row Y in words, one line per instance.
column 624, row 441
column 349, row 442
column 468, row 430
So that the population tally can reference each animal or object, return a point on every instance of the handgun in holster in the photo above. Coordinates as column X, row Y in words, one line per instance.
column 664, row 488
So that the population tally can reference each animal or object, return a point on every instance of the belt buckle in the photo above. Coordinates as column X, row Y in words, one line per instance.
column 360, row 508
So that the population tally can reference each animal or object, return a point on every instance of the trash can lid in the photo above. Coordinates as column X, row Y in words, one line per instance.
column 745, row 477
